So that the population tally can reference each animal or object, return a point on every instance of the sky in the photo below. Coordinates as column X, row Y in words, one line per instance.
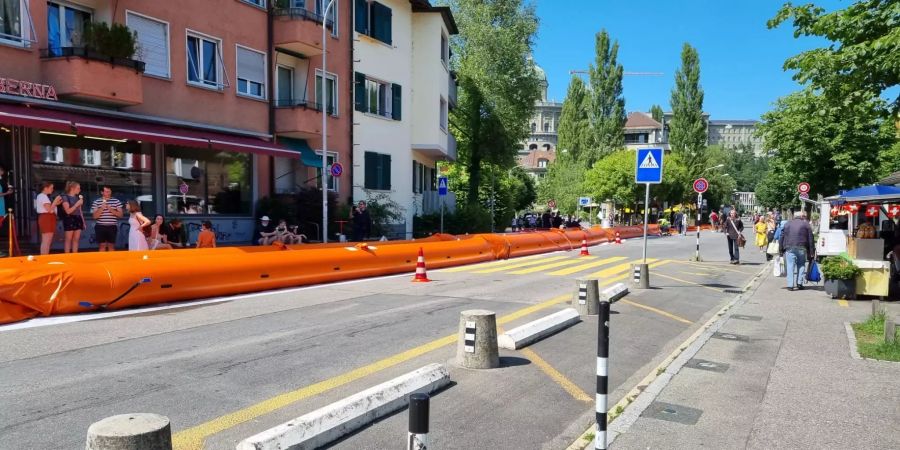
column 740, row 58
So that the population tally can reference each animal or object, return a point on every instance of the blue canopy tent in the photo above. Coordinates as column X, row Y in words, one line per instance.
column 868, row 194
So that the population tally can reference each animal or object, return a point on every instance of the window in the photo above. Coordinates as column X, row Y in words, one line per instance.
column 443, row 114
column 13, row 24
column 122, row 160
column 533, row 147
column 204, row 62
column 374, row 20
column 251, row 72
column 547, row 147
column 445, row 51
column 533, row 127
column 376, row 97
column 260, row 3
column 65, row 27
column 542, row 163
column 331, row 95
column 52, row 154
column 217, row 182
column 546, row 127
column 377, row 171
column 419, row 177
column 332, row 18
column 90, row 157
column 153, row 40
column 284, row 86
column 332, row 181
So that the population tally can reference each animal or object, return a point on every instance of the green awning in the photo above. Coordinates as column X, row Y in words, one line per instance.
column 307, row 154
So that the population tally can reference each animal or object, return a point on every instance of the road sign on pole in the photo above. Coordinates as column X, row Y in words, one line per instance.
column 803, row 188
column 584, row 201
column 649, row 167
column 551, row 204
column 337, row 169
column 442, row 186
column 701, row 185
column 804, row 195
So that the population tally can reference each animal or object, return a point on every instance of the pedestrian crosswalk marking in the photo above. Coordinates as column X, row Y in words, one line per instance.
column 549, row 266
column 617, row 269
column 590, row 265
column 649, row 162
column 530, row 262
column 502, row 263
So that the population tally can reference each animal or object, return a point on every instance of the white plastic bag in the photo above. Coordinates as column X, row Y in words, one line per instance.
column 778, row 267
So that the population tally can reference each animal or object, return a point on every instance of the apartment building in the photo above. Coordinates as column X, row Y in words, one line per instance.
column 403, row 92
column 217, row 104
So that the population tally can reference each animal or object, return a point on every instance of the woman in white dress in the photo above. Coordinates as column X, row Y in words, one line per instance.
column 136, row 238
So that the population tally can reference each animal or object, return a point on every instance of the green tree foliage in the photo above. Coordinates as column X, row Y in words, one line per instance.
column 511, row 190
column 612, row 177
column 830, row 146
column 523, row 188
column 574, row 121
column 863, row 59
column 497, row 83
column 747, row 169
column 657, row 113
column 562, row 183
column 687, row 131
column 607, row 102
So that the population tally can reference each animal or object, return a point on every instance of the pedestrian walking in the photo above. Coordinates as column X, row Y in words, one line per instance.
column 797, row 247
column 72, row 218
column 46, row 211
column 761, row 228
column 545, row 220
column 137, row 240
column 733, row 231
column 106, row 211
column 714, row 221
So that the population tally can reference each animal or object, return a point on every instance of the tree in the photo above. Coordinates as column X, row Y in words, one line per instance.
column 830, row 146
column 747, row 169
column 861, row 62
column 657, row 113
column 562, row 183
column 523, row 188
column 498, row 85
column 607, row 102
column 575, row 122
column 687, row 131
column 612, row 177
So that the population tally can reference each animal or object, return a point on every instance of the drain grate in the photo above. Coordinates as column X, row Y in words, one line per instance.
column 711, row 366
column 673, row 413
column 731, row 337
column 746, row 317
column 733, row 291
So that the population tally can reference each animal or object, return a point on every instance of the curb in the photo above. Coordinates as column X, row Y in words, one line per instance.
column 624, row 413
column 614, row 292
column 340, row 418
column 536, row 330
column 854, row 350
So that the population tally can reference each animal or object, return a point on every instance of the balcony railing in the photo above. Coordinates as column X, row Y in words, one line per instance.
column 87, row 53
column 452, row 92
column 301, row 103
column 302, row 13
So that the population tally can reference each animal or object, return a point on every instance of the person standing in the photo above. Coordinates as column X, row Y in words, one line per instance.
column 796, row 246
column 733, row 228
column 362, row 221
column 107, row 211
column 137, row 240
column 714, row 221
column 46, row 210
column 761, row 229
column 72, row 217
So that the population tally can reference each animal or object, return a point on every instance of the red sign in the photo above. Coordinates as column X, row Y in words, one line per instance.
column 852, row 207
column 701, row 185
column 337, row 169
column 873, row 211
column 27, row 89
column 803, row 187
column 551, row 204
column 893, row 211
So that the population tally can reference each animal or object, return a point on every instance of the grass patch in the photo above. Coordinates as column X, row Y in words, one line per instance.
column 589, row 437
column 870, row 339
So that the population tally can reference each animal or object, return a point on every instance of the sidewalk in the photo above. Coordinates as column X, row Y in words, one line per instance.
column 777, row 374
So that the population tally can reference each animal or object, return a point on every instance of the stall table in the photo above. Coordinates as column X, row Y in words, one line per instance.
column 875, row 278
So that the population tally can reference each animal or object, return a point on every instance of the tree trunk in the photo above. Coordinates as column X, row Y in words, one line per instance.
column 474, row 169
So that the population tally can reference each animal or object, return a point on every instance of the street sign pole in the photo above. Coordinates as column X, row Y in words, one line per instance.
column 442, row 214
column 648, row 170
column 699, row 218
column 646, row 219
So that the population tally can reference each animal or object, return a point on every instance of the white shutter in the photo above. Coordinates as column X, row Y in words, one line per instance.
column 153, row 44
column 251, row 65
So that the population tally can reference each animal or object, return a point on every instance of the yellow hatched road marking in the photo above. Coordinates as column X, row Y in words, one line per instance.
column 194, row 438
column 550, row 265
column 843, row 303
column 590, row 265
column 617, row 269
column 656, row 310
column 488, row 265
column 530, row 262
column 576, row 392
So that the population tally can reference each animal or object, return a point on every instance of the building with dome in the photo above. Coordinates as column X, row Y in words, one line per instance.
column 540, row 148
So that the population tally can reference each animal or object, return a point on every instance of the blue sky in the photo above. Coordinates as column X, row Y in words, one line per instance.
column 740, row 59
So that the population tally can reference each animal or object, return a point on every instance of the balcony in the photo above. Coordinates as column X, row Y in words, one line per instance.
column 82, row 74
column 445, row 150
column 299, row 118
column 299, row 30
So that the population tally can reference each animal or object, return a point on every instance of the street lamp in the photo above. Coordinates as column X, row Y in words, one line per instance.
column 711, row 168
column 325, row 123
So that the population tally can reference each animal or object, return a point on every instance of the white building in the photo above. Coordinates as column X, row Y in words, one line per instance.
column 641, row 131
column 545, row 122
column 735, row 134
column 402, row 94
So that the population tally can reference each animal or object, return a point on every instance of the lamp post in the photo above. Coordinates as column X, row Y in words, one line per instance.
column 325, row 122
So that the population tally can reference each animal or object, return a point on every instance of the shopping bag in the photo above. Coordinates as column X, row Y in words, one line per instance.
column 814, row 276
column 778, row 267
column 773, row 249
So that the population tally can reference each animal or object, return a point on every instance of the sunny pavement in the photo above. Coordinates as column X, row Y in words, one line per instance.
column 198, row 363
column 792, row 384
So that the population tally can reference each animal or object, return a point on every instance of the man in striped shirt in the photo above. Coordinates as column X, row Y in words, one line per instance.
column 107, row 211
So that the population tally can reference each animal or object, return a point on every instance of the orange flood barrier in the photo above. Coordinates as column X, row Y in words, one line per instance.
column 66, row 284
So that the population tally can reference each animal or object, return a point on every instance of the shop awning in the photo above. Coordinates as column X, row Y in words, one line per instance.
column 23, row 116
column 307, row 154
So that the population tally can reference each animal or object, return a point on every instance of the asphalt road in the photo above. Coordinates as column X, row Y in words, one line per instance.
column 227, row 369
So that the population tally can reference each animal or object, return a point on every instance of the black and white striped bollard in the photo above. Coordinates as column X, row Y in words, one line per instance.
column 699, row 218
column 602, row 374
column 418, row 422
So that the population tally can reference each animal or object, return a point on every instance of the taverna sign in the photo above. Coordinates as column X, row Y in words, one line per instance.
column 27, row 89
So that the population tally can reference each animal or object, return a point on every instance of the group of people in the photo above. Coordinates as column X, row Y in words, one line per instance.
column 269, row 234
column 107, row 211
column 546, row 220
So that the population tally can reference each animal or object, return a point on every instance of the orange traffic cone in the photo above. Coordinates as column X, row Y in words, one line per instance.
column 618, row 238
column 584, row 250
column 421, row 276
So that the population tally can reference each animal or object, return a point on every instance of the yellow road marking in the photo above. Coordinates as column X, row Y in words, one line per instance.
column 689, row 282
column 590, row 265
column 550, row 265
column 699, row 274
column 656, row 310
column 716, row 267
column 193, row 438
column 521, row 264
column 843, row 303
column 487, row 265
column 576, row 392
column 617, row 269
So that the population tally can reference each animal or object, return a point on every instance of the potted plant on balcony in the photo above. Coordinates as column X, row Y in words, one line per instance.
column 116, row 43
column 840, row 276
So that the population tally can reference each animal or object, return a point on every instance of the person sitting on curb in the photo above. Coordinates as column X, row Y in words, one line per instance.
column 267, row 233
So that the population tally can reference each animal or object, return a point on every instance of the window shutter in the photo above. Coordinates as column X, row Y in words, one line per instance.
column 154, row 43
column 386, row 172
column 395, row 101
column 415, row 172
column 362, row 16
column 381, row 22
column 371, row 170
column 360, row 92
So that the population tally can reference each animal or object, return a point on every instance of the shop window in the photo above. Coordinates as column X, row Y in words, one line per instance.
column 207, row 181
column 332, row 181
column 90, row 157
column 122, row 160
column 204, row 61
column 65, row 26
column 52, row 154
column 377, row 171
column 251, row 72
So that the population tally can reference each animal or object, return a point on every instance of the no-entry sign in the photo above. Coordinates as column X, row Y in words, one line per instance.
column 701, row 185
column 803, row 188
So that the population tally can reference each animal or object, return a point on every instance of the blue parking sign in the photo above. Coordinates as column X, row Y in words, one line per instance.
column 649, row 168
column 442, row 186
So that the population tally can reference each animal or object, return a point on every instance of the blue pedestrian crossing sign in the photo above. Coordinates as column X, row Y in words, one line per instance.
column 442, row 186
column 649, row 166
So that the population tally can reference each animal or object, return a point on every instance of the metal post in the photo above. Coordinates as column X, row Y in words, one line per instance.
column 699, row 217
column 602, row 374
column 442, row 214
column 646, row 219
column 418, row 422
column 324, row 101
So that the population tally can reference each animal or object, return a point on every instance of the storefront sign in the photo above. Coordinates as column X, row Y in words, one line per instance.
column 27, row 89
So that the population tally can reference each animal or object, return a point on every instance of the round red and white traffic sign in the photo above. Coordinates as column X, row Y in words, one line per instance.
column 701, row 185
column 803, row 188
column 551, row 204
column 337, row 169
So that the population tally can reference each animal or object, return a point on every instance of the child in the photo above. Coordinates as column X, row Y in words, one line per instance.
column 206, row 239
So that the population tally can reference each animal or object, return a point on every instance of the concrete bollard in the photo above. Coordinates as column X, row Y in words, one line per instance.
column 641, row 278
column 476, row 347
column 890, row 330
column 139, row 431
column 876, row 307
column 587, row 297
